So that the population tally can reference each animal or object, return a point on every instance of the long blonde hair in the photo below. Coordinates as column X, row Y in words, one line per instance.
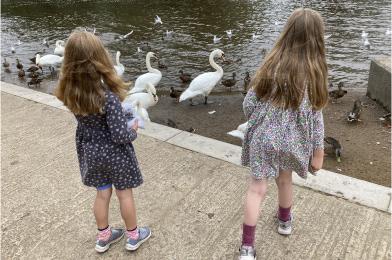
column 86, row 63
column 296, row 61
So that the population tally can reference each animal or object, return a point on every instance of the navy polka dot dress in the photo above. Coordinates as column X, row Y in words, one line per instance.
column 104, row 147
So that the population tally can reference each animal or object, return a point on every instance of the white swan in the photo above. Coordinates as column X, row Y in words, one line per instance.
column 119, row 68
column 157, row 20
column 59, row 50
column 204, row 83
column 125, row 36
column 146, row 100
column 49, row 60
column 153, row 76
column 216, row 39
column 240, row 131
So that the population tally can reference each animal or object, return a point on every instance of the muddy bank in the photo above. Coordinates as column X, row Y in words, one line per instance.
column 366, row 144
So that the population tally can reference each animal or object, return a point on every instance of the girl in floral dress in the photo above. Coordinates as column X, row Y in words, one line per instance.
column 285, row 123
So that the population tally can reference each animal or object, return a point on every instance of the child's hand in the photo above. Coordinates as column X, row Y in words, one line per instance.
column 135, row 125
column 317, row 160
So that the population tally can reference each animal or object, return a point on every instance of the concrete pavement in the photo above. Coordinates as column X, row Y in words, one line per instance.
column 192, row 202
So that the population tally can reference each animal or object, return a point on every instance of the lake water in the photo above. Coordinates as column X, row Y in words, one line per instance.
column 194, row 23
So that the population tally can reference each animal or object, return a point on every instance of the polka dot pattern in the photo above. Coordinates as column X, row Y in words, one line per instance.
column 280, row 139
column 104, row 147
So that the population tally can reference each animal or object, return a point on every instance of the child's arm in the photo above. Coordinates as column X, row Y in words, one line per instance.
column 249, row 104
column 318, row 141
column 116, row 121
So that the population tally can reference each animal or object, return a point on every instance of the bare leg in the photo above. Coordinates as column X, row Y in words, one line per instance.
column 127, row 208
column 285, row 188
column 255, row 195
column 101, row 207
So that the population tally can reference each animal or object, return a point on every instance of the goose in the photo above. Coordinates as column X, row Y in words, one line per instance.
column 157, row 20
column 119, row 68
column 216, row 39
column 125, row 36
column 6, row 64
column 146, row 100
column 240, row 131
column 204, row 83
column 59, row 50
column 185, row 77
column 19, row 65
column 229, row 34
column 153, row 76
column 364, row 35
column 49, row 60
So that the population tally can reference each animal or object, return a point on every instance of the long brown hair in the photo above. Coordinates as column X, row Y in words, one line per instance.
column 296, row 61
column 86, row 63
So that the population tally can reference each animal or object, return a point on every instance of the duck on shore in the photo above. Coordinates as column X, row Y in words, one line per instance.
column 338, row 93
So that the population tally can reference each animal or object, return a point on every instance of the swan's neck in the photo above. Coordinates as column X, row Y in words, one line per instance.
column 214, row 65
column 118, row 59
column 149, row 68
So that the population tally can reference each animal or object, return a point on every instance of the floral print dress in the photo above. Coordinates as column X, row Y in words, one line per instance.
column 276, row 138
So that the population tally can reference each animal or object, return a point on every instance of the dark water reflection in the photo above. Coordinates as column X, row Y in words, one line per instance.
column 194, row 24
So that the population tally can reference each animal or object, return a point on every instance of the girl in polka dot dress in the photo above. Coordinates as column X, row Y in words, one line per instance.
column 90, row 89
column 285, row 124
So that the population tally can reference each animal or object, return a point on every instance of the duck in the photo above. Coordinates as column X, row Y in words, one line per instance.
column 355, row 113
column 33, row 68
column 59, row 49
column 337, row 147
column 185, row 77
column 153, row 76
column 216, row 39
column 204, row 83
column 45, row 42
column 161, row 65
column 229, row 34
column 157, row 20
column 174, row 93
column 240, row 131
column 19, row 65
column 6, row 64
column 35, row 81
column 386, row 120
column 246, row 82
column 119, row 68
column 229, row 83
column 147, row 99
column 146, row 47
column 339, row 93
column 21, row 73
column 125, row 36
column 49, row 60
